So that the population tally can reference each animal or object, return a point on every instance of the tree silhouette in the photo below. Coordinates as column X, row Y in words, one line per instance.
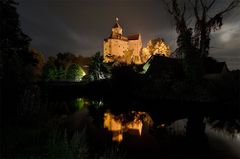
column 64, row 60
column 20, row 65
column 193, row 44
column 37, row 64
column 14, row 43
column 204, row 22
column 97, row 70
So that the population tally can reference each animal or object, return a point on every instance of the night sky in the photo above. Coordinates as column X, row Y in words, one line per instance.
column 79, row 26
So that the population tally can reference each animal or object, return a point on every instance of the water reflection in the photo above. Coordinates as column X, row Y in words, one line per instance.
column 119, row 124
column 113, row 124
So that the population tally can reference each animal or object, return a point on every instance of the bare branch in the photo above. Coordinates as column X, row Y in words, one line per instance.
column 173, row 9
column 195, row 8
column 178, row 14
column 202, row 4
column 211, row 4
column 231, row 6
column 168, row 7
column 184, row 10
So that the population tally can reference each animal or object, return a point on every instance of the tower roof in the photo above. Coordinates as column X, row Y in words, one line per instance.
column 117, row 25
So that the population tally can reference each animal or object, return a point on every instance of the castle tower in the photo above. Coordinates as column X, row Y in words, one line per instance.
column 125, row 49
column 116, row 30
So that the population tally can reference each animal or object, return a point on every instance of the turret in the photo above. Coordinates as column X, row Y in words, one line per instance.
column 117, row 30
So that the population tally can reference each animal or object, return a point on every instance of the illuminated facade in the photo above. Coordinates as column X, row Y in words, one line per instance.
column 116, row 125
column 122, row 48
column 128, row 49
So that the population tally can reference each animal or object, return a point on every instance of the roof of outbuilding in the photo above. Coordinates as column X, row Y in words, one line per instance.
column 212, row 66
column 215, row 67
column 133, row 36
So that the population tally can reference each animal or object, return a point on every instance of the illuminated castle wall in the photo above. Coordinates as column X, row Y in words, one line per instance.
column 122, row 48
column 128, row 49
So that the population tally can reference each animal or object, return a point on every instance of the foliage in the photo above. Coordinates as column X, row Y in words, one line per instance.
column 49, row 72
column 194, row 46
column 13, row 40
column 14, row 43
column 20, row 65
column 65, row 61
column 205, row 22
column 97, row 70
column 15, row 47
column 78, row 104
column 75, row 72
column 38, row 62
column 158, row 46
column 61, row 75
column 96, row 111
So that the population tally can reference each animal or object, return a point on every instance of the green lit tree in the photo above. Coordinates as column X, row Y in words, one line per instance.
column 50, row 72
column 75, row 72
column 61, row 75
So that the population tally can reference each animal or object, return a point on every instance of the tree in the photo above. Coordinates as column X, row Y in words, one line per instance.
column 158, row 46
column 193, row 44
column 205, row 23
column 61, row 73
column 14, row 43
column 17, row 61
column 13, row 40
column 49, row 72
column 97, row 70
column 75, row 72
column 37, row 64
column 64, row 60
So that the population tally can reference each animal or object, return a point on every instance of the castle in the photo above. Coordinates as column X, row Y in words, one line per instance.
column 122, row 48
column 128, row 49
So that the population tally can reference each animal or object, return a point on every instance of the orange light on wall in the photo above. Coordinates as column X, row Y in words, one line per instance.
column 117, row 127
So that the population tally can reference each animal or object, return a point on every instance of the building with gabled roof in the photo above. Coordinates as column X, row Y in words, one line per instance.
column 126, row 49
column 214, row 69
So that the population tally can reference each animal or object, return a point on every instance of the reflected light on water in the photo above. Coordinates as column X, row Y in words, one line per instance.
column 116, row 125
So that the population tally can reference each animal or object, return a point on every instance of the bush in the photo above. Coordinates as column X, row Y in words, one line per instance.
column 75, row 72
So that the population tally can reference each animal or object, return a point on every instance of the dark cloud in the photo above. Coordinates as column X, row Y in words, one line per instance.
column 79, row 26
